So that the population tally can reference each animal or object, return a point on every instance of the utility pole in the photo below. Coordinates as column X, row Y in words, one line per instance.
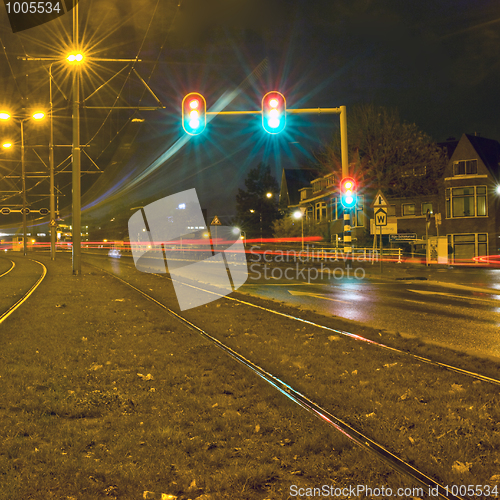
column 76, row 151
column 23, row 181
column 51, row 167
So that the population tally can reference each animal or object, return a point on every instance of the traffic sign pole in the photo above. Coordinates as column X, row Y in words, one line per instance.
column 380, row 249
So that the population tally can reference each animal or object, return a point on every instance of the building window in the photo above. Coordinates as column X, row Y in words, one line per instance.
column 482, row 245
column 408, row 209
column 357, row 215
column 463, row 202
column 334, row 209
column 465, row 167
column 468, row 246
column 425, row 207
column 481, row 200
column 320, row 210
column 414, row 171
column 466, row 202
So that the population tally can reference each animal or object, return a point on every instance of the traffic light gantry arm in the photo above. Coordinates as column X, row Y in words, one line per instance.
column 288, row 110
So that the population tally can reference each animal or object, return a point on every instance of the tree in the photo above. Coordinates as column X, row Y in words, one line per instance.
column 387, row 153
column 256, row 211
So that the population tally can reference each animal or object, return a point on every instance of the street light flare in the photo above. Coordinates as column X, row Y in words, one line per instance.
column 4, row 116
column 39, row 115
column 7, row 145
column 75, row 57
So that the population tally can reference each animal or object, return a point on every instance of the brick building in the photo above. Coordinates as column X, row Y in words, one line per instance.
column 468, row 203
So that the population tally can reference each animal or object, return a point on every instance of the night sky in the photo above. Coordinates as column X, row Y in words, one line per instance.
column 437, row 61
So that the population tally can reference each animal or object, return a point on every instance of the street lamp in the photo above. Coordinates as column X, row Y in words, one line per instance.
column 76, row 59
column 268, row 195
column 39, row 115
column 299, row 215
column 242, row 233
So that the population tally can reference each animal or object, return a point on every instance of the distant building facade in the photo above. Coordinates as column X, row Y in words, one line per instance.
column 466, row 207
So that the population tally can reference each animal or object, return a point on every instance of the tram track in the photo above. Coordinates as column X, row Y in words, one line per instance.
column 344, row 333
column 357, row 437
column 13, row 265
column 10, row 281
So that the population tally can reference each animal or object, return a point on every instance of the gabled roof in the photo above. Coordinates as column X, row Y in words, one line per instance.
column 489, row 151
column 448, row 146
column 294, row 179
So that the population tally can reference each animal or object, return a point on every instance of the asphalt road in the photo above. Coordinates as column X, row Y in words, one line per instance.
column 449, row 307
column 456, row 308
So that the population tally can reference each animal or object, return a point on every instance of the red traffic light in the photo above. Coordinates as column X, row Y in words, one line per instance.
column 194, row 108
column 348, row 192
column 273, row 112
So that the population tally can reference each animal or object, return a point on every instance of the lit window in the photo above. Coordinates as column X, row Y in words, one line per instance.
column 408, row 209
column 465, row 167
column 425, row 207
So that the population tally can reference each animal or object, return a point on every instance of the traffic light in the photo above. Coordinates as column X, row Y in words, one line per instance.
column 348, row 192
column 273, row 112
column 194, row 118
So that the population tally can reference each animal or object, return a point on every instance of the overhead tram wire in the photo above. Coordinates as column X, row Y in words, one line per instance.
column 132, row 67
column 11, row 70
column 156, row 62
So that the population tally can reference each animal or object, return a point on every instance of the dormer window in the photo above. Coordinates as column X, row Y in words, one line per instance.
column 465, row 167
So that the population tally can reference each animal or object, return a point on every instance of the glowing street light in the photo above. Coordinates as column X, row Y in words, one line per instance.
column 299, row 215
column 39, row 115
column 75, row 58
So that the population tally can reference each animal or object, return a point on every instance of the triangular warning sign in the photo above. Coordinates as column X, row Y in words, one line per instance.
column 215, row 222
column 379, row 200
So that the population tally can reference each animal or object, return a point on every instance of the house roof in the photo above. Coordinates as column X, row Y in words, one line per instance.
column 449, row 147
column 488, row 150
column 295, row 179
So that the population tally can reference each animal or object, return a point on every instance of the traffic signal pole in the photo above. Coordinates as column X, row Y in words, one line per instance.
column 342, row 111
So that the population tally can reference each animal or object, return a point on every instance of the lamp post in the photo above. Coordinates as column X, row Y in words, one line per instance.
column 36, row 116
column 299, row 215
column 242, row 234
column 76, row 59
column 51, row 168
